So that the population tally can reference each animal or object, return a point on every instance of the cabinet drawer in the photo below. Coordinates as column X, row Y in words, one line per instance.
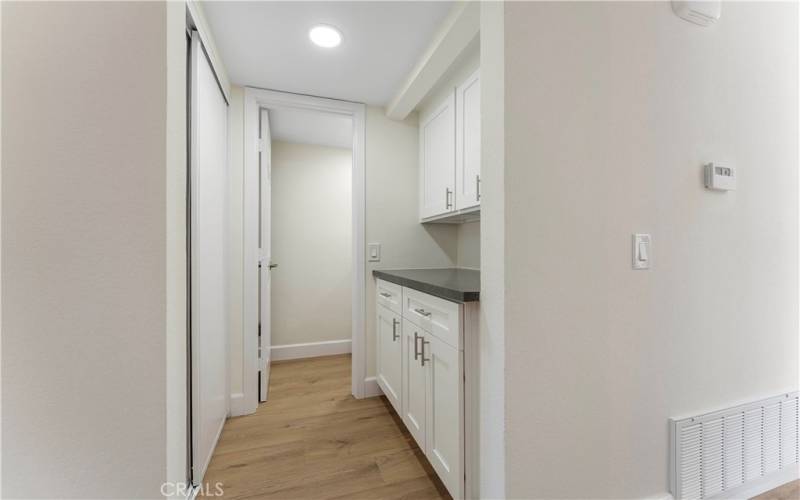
column 440, row 317
column 389, row 295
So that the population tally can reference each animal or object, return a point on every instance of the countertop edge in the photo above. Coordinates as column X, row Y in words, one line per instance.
column 435, row 290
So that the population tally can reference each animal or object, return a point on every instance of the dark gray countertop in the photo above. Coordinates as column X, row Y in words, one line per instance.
column 453, row 284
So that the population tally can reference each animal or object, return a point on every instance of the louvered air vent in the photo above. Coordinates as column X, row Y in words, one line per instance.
column 718, row 452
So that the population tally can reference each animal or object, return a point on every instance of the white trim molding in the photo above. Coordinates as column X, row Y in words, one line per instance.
column 311, row 349
column 371, row 388
column 237, row 406
column 196, row 19
column 254, row 100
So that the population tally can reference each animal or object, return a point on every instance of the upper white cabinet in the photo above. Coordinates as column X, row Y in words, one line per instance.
column 468, row 143
column 450, row 154
column 438, row 159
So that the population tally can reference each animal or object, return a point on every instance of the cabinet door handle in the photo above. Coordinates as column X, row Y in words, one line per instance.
column 477, row 188
column 447, row 193
column 422, row 358
column 384, row 294
column 395, row 336
column 422, row 312
column 416, row 346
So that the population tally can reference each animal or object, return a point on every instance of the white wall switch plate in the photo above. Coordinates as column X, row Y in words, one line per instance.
column 374, row 252
column 642, row 254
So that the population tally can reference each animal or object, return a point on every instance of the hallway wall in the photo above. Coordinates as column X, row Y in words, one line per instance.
column 85, row 248
column 311, row 243
column 606, row 135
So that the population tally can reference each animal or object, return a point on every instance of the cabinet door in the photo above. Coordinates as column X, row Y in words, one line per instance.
column 390, row 355
column 415, row 383
column 444, row 444
column 437, row 159
column 468, row 143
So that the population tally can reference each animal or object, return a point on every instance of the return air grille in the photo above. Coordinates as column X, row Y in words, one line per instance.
column 717, row 452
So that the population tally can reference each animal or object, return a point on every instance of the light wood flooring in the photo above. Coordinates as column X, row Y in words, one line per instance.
column 313, row 440
column 789, row 491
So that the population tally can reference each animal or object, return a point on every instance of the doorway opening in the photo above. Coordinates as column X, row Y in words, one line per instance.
column 306, row 228
column 303, row 235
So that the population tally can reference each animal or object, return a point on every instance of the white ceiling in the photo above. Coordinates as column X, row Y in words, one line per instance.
column 265, row 44
column 311, row 127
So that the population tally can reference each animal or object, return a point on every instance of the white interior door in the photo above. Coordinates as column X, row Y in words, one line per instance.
column 265, row 253
column 209, row 334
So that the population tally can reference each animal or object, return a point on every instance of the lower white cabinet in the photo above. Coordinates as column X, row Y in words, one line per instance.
column 415, row 384
column 389, row 360
column 422, row 375
column 444, row 444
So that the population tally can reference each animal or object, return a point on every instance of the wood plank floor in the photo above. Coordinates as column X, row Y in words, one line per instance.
column 313, row 440
column 789, row 491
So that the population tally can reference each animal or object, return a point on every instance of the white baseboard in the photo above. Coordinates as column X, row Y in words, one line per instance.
column 371, row 388
column 310, row 350
column 660, row 496
column 237, row 405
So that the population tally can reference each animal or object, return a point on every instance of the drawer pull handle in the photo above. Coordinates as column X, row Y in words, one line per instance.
column 385, row 295
column 422, row 312
column 395, row 336
column 423, row 359
column 416, row 346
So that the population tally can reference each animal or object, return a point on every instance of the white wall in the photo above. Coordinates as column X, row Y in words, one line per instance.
column 86, row 255
column 610, row 111
column 392, row 164
column 492, row 400
column 176, row 299
column 468, row 245
column 311, row 243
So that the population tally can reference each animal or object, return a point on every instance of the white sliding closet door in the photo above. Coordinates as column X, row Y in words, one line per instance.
column 209, row 334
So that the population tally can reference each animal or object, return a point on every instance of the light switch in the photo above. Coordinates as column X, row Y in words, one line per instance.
column 641, row 251
column 374, row 252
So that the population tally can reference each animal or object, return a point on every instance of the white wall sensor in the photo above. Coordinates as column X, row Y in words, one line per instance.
column 700, row 12
column 720, row 178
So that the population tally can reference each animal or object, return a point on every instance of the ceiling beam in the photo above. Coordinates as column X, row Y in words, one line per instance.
column 459, row 28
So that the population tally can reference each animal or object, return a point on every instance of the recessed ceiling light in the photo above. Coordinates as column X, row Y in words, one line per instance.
column 325, row 36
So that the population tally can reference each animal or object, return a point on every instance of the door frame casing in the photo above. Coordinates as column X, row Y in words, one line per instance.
column 254, row 100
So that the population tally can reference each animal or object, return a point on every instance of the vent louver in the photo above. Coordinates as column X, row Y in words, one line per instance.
column 717, row 452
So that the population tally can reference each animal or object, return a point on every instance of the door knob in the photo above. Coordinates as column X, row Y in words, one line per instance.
column 271, row 266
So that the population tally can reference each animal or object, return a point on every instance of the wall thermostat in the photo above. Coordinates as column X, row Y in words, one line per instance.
column 720, row 178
